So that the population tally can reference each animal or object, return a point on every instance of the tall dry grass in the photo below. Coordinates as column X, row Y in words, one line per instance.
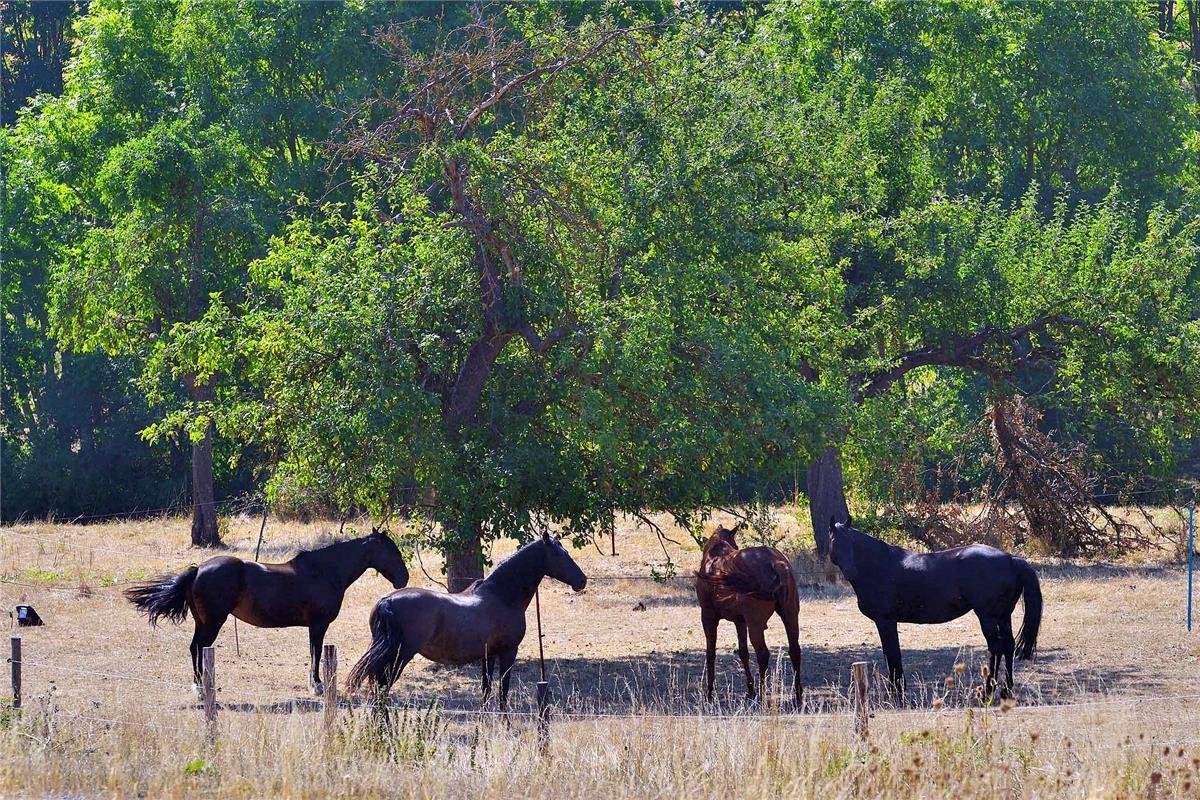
column 1122, row 751
column 628, row 646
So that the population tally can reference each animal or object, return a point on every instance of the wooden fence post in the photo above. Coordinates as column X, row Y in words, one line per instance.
column 329, row 668
column 858, row 698
column 208, row 689
column 15, row 660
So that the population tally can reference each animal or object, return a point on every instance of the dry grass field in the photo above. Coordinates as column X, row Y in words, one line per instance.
column 1110, row 707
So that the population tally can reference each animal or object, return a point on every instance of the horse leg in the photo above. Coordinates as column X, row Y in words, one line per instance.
column 889, row 638
column 709, row 621
column 744, row 655
column 1009, row 644
column 792, row 626
column 489, row 664
column 205, row 635
column 316, row 637
column 763, row 654
column 995, row 646
column 195, row 649
column 505, row 660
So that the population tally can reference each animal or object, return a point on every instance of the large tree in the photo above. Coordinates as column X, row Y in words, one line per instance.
column 184, row 133
column 1041, row 107
column 553, row 295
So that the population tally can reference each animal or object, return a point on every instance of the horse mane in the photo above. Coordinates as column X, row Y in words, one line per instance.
column 506, row 565
column 305, row 554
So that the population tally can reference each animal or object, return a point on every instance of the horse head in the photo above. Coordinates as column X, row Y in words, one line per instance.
column 841, row 548
column 723, row 541
column 560, row 565
column 387, row 559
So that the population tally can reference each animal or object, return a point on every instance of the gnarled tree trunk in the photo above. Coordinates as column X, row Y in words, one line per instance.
column 204, row 504
column 826, row 496
column 464, row 562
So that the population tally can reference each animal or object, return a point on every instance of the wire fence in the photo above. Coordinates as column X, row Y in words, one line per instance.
column 249, row 700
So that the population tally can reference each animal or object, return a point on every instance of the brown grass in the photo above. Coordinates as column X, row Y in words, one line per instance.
column 1113, row 638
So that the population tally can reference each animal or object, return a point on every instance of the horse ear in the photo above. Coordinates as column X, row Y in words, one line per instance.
column 545, row 536
column 374, row 531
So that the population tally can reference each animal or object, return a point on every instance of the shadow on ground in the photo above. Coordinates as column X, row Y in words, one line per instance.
column 672, row 683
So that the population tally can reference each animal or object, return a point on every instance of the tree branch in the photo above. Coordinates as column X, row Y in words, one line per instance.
column 967, row 353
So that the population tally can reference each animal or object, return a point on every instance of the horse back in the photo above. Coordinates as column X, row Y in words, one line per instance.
column 753, row 573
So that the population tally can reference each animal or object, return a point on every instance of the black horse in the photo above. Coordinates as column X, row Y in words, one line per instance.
column 306, row 591
column 485, row 622
column 894, row 585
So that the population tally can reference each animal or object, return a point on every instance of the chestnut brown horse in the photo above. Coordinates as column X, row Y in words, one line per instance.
column 306, row 591
column 746, row 587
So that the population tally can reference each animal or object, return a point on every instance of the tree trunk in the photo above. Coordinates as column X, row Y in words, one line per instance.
column 464, row 560
column 204, row 505
column 1193, row 9
column 826, row 496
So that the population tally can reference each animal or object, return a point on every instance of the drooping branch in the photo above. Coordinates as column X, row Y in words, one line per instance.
column 970, row 352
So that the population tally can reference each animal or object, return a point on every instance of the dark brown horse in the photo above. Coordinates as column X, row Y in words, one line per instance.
column 306, row 591
column 485, row 622
column 746, row 587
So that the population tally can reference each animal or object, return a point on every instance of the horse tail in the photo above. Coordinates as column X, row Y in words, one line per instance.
column 787, row 596
column 381, row 661
column 164, row 596
column 1032, row 591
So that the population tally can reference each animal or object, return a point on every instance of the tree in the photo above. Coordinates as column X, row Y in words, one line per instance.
column 184, row 133
column 69, row 432
column 532, row 308
column 1001, row 100
column 35, row 42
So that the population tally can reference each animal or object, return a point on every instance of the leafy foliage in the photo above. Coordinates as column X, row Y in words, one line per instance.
column 512, row 264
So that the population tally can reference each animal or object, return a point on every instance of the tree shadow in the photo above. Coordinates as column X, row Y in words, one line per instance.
column 671, row 682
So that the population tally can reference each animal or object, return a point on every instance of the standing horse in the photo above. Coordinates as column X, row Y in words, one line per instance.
column 746, row 587
column 485, row 622
column 306, row 591
column 894, row 585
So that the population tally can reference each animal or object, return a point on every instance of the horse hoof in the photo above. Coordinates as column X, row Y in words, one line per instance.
column 318, row 689
column 199, row 692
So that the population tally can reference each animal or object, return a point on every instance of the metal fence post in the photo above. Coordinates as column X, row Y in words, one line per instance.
column 1191, row 547
column 329, row 665
column 15, row 660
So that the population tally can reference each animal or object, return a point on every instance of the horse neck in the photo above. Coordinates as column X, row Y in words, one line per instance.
column 875, row 552
column 516, row 579
column 345, row 562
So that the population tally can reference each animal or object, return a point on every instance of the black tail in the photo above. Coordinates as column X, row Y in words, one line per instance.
column 164, row 596
column 381, row 662
column 1027, row 638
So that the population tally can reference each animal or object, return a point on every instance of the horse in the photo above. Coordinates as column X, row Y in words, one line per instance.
column 746, row 587
column 894, row 585
column 306, row 591
column 485, row 622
